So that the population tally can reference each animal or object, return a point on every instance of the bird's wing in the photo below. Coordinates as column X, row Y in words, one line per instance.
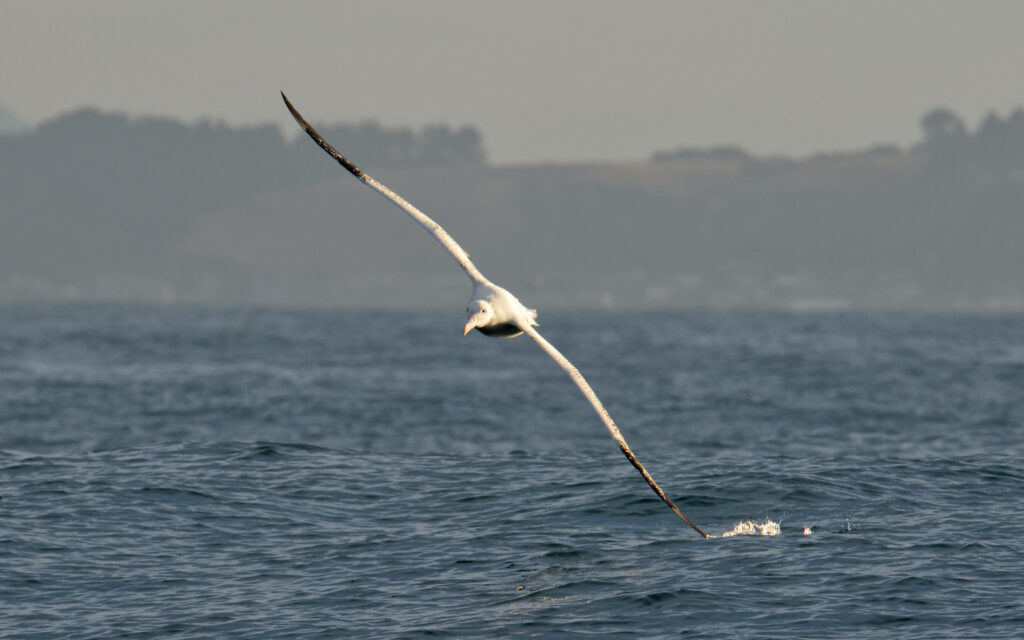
column 595, row 402
column 435, row 229
column 462, row 258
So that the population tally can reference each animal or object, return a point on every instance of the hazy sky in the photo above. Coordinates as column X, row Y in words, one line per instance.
column 543, row 80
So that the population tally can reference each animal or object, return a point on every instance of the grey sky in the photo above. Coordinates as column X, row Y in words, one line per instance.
column 543, row 80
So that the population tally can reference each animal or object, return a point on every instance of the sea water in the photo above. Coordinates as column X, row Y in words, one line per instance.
column 255, row 473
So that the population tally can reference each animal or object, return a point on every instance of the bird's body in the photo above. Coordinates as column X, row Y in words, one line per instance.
column 495, row 312
column 492, row 310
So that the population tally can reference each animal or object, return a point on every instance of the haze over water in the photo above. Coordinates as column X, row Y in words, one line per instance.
column 241, row 465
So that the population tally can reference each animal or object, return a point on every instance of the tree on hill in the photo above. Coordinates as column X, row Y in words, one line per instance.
column 93, row 192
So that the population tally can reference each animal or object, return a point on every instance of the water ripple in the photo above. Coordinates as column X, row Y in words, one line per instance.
column 292, row 474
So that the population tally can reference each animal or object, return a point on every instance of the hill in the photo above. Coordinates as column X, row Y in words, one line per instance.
column 100, row 206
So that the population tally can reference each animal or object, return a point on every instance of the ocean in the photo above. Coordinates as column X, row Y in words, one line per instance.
column 174, row 472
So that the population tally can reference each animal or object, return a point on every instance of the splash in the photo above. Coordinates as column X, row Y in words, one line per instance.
column 751, row 528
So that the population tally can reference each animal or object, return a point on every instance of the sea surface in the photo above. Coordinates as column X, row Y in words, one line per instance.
column 171, row 472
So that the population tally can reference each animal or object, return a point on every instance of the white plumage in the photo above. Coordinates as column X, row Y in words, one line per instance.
column 492, row 310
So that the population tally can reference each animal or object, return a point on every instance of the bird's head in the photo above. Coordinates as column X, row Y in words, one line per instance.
column 480, row 314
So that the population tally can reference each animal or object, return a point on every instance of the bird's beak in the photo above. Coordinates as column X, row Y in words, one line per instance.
column 470, row 325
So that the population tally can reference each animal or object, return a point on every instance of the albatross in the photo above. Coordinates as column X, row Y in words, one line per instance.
column 493, row 310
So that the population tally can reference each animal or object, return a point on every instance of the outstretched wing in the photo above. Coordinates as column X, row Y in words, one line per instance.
column 595, row 402
column 435, row 229
column 463, row 259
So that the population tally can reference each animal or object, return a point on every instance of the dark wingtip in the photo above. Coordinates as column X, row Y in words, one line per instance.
column 331, row 151
column 295, row 113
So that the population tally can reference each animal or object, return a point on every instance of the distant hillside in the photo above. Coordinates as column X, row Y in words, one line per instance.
column 101, row 206
column 9, row 122
column 92, row 198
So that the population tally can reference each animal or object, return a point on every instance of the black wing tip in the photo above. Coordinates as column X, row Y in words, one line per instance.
column 295, row 113
column 287, row 102
column 331, row 151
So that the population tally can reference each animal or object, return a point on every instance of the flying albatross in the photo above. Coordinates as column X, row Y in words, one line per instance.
column 492, row 310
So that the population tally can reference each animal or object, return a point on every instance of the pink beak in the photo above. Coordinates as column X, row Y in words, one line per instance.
column 470, row 325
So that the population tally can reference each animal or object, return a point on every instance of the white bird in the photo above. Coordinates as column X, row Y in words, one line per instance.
column 492, row 310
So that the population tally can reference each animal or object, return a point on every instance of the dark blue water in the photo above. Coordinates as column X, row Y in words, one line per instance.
column 193, row 473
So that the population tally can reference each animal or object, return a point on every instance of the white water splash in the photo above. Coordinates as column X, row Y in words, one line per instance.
column 751, row 528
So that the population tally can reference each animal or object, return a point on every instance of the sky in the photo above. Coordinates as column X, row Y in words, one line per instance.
column 544, row 81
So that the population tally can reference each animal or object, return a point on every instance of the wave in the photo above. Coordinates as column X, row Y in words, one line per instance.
column 750, row 528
